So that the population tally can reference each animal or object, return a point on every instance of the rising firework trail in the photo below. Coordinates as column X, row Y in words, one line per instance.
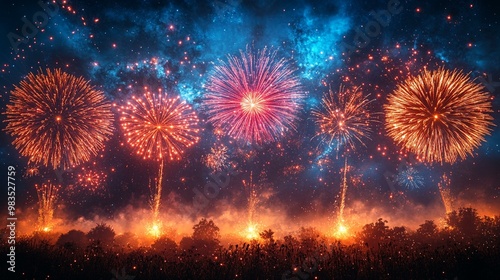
column 58, row 120
column 344, row 120
column 158, row 126
column 251, row 231
column 445, row 192
column 254, row 97
column 47, row 198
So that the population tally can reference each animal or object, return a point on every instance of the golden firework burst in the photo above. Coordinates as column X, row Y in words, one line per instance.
column 440, row 116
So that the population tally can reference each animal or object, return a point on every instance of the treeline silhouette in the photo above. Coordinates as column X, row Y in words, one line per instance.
column 468, row 247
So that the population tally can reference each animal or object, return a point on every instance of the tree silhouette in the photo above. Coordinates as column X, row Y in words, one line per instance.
column 490, row 226
column 308, row 237
column 186, row 243
column 101, row 233
column 73, row 239
column 374, row 234
column 165, row 245
column 289, row 240
column 128, row 240
column 428, row 229
column 206, row 230
column 267, row 235
column 205, row 236
column 466, row 221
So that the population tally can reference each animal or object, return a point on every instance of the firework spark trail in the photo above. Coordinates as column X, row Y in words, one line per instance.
column 57, row 119
column 441, row 115
column 254, row 97
column 343, row 190
column 157, row 196
column 47, row 198
column 251, row 231
column 445, row 191
column 155, row 126
column 344, row 119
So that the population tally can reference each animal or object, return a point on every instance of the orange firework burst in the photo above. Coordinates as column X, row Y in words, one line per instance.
column 32, row 171
column 156, row 125
column 57, row 119
column 344, row 118
column 440, row 115
column 91, row 180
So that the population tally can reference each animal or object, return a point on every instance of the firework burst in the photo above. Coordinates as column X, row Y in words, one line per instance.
column 32, row 171
column 57, row 119
column 344, row 118
column 157, row 125
column 47, row 197
column 440, row 115
column 254, row 97
column 217, row 159
column 91, row 180
column 410, row 178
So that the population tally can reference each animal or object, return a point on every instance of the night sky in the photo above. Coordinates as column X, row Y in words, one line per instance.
column 125, row 46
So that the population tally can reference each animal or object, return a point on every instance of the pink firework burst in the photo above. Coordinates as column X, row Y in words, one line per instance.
column 254, row 97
